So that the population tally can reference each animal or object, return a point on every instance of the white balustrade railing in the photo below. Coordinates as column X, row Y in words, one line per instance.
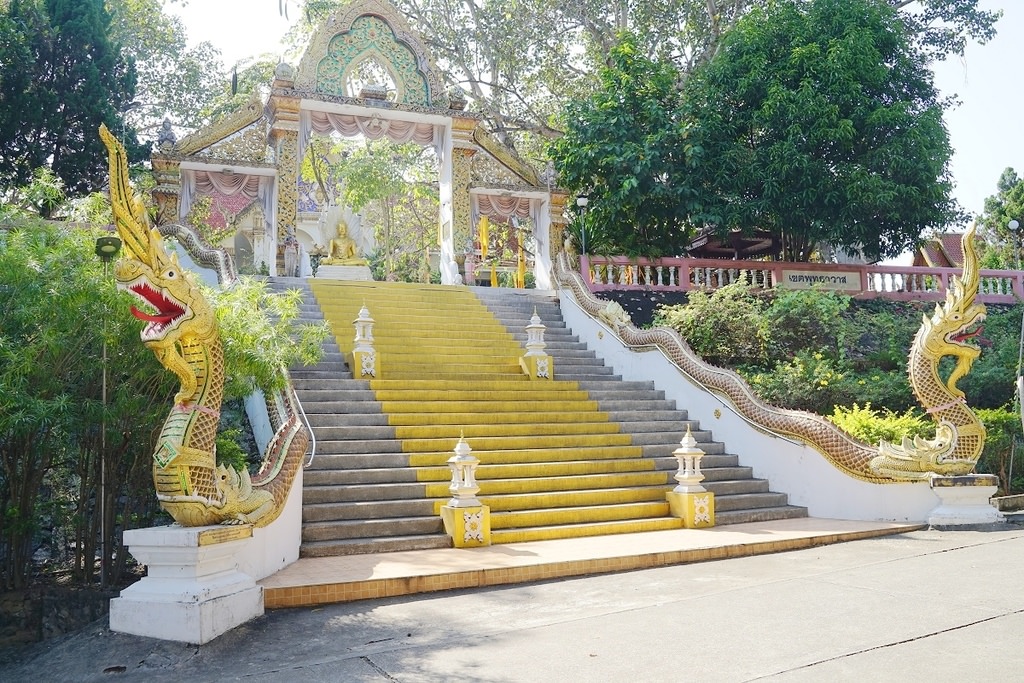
column 870, row 281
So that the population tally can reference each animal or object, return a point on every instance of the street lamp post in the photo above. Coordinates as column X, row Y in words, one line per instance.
column 106, row 248
column 1014, row 226
column 582, row 202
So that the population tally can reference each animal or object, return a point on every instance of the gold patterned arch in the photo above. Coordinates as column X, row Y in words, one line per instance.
column 370, row 31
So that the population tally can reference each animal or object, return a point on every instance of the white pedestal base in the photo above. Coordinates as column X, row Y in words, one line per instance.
column 343, row 273
column 964, row 501
column 193, row 590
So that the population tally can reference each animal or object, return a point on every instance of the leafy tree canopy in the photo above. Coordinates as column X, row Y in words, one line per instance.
column 819, row 122
column 628, row 148
column 1000, row 245
column 60, row 78
column 174, row 80
column 521, row 61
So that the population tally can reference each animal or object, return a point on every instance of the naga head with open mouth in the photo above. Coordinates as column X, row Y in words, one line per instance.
column 174, row 309
column 955, row 325
column 170, row 304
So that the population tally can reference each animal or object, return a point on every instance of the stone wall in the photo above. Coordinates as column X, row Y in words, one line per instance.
column 41, row 613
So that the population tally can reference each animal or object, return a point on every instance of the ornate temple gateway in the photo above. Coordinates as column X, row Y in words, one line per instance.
column 249, row 163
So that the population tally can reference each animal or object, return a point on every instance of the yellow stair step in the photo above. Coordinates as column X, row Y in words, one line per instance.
column 550, row 533
column 413, row 419
column 476, row 432
column 524, row 483
column 487, row 443
column 485, row 406
column 528, row 455
column 577, row 515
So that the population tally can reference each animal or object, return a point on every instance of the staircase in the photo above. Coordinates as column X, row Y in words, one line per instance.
column 586, row 454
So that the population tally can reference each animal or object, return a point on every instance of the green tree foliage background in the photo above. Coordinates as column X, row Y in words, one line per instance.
column 816, row 121
column 50, row 393
column 629, row 149
column 820, row 123
column 60, row 78
column 999, row 245
column 50, row 402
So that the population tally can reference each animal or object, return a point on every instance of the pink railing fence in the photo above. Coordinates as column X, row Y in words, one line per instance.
column 865, row 282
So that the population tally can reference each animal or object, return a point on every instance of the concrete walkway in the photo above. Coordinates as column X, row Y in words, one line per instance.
column 919, row 606
column 328, row 580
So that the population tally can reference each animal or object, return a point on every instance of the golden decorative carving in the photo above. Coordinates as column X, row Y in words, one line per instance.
column 461, row 209
column 506, row 156
column 287, row 181
column 248, row 144
column 959, row 434
column 168, row 184
column 614, row 315
column 182, row 332
column 222, row 128
column 488, row 171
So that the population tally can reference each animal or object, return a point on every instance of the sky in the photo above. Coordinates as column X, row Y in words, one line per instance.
column 985, row 129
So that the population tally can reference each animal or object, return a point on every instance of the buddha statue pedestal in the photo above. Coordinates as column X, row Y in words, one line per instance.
column 329, row 272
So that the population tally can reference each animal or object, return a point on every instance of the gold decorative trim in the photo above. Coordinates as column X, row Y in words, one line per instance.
column 506, row 156
column 222, row 128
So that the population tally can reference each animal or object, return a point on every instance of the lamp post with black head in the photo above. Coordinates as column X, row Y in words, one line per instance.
column 107, row 248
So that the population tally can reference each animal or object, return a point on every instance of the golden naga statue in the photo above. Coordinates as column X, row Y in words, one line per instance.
column 959, row 434
column 342, row 250
column 181, row 329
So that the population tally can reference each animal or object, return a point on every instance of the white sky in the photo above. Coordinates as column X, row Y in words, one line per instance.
column 985, row 129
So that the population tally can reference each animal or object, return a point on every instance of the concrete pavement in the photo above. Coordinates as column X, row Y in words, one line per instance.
column 922, row 606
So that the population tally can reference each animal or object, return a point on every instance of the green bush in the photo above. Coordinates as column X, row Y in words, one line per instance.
column 727, row 327
column 809, row 381
column 230, row 451
column 807, row 319
column 990, row 383
column 1003, row 425
column 872, row 426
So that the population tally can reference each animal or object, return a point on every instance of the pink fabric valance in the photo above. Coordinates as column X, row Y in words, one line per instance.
column 372, row 127
column 502, row 208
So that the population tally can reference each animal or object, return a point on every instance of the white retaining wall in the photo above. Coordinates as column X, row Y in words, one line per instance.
column 791, row 467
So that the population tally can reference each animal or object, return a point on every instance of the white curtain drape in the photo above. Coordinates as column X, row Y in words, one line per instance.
column 372, row 127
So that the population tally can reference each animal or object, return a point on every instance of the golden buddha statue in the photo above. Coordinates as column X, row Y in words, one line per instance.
column 342, row 250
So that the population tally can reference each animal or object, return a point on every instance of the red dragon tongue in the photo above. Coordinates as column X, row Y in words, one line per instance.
column 142, row 315
column 963, row 336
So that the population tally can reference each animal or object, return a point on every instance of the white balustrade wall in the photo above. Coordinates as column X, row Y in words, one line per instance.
column 890, row 282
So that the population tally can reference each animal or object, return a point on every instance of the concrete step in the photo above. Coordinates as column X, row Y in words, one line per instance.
column 355, row 510
column 370, row 528
column 757, row 515
column 580, row 530
column 364, row 546
column 516, row 519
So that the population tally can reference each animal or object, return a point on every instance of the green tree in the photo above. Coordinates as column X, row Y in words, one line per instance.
column 820, row 122
column 174, row 79
column 629, row 150
column 52, row 446
column 392, row 187
column 999, row 245
column 73, row 79
column 521, row 62
column 51, row 409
